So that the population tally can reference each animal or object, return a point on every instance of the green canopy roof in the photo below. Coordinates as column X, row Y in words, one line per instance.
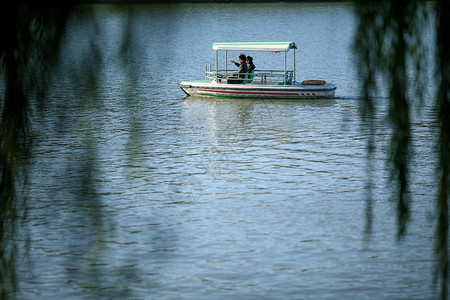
column 269, row 47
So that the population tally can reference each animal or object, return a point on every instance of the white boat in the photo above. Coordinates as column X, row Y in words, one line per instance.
column 260, row 83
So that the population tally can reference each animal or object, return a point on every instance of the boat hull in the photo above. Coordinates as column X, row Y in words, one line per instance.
column 294, row 91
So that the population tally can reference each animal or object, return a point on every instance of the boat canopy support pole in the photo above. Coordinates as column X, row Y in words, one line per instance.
column 226, row 63
column 284, row 81
column 294, row 65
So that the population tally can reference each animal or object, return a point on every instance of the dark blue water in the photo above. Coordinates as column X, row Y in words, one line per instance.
column 139, row 192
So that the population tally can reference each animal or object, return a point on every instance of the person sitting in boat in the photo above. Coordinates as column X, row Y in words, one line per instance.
column 250, row 66
column 239, row 77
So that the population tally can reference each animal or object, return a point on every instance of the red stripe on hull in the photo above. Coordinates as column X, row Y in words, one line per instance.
column 251, row 93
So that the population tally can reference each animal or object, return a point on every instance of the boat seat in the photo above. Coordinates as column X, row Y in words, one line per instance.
column 288, row 80
column 248, row 78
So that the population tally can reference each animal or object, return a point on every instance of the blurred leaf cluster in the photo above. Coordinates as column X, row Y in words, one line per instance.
column 388, row 46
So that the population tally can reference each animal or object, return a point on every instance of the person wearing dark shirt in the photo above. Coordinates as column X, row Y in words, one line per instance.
column 242, row 70
column 250, row 66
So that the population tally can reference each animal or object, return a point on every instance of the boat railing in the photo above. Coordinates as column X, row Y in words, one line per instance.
column 266, row 77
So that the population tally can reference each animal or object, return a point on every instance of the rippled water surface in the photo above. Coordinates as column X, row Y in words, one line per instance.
column 137, row 191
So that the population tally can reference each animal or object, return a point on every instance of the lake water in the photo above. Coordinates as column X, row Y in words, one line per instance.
column 136, row 191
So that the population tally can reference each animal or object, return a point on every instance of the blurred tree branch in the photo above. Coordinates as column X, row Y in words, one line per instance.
column 443, row 105
column 387, row 43
column 30, row 33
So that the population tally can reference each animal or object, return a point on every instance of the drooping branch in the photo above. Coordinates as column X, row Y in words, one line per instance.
column 443, row 105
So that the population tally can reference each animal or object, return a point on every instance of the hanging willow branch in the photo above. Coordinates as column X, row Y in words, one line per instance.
column 443, row 105
column 383, row 47
column 30, row 34
column 387, row 44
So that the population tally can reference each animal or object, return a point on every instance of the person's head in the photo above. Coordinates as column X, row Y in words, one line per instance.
column 242, row 58
column 249, row 59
